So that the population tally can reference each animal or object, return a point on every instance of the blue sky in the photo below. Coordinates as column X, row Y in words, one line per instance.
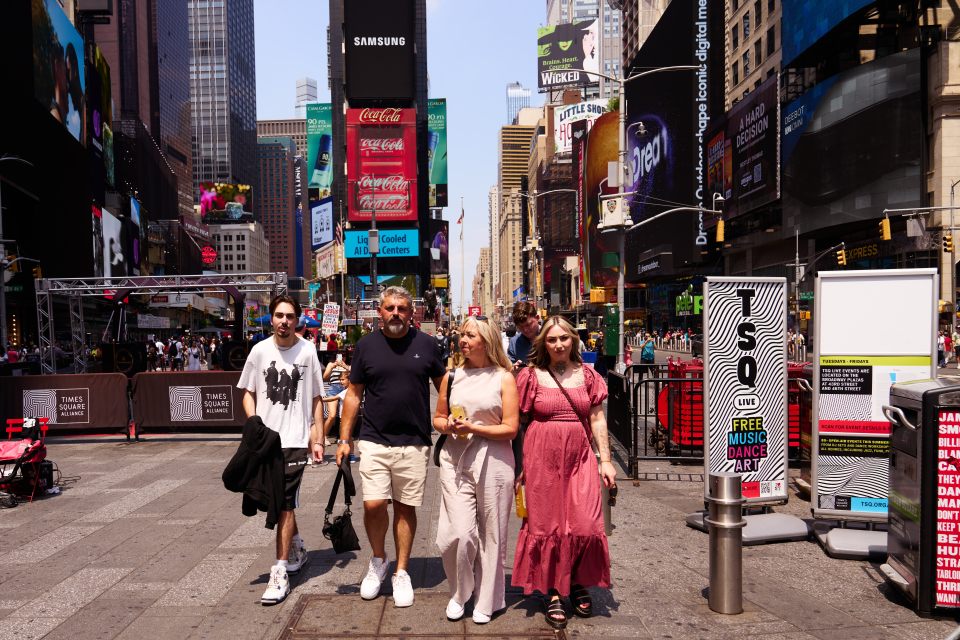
column 474, row 50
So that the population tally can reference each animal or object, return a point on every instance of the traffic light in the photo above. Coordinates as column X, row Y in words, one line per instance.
column 948, row 243
column 720, row 231
column 842, row 257
column 15, row 267
column 38, row 272
column 885, row 229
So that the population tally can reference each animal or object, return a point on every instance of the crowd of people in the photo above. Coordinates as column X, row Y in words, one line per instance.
column 521, row 422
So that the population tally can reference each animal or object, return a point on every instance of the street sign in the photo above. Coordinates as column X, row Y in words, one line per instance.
column 368, row 288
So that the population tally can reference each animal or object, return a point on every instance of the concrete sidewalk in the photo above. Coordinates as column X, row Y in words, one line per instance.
column 144, row 542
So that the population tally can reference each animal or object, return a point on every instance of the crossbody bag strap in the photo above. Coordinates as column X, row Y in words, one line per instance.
column 443, row 437
column 566, row 394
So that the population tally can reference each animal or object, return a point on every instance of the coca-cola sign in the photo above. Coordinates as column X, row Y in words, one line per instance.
column 380, row 116
column 382, row 164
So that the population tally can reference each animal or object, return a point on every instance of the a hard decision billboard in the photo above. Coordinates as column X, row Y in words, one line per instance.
column 437, row 150
column 742, row 154
column 379, row 49
column 745, row 383
column 320, row 148
column 381, row 164
column 562, row 49
column 853, row 373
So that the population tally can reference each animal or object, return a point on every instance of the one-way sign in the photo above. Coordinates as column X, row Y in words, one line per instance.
column 368, row 288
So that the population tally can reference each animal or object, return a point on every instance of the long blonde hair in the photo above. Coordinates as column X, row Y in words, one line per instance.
column 540, row 358
column 490, row 334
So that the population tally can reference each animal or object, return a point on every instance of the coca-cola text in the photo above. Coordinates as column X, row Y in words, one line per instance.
column 385, row 184
column 380, row 115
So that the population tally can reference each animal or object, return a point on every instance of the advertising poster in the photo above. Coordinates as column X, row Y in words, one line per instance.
column 853, row 373
column 225, row 202
column 313, row 291
column 379, row 48
column 948, row 510
column 564, row 117
column 745, row 383
column 321, row 223
column 115, row 263
column 394, row 243
column 327, row 261
column 381, row 164
column 437, row 150
column 99, row 263
column 439, row 246
column 136, row 236
column 562, row 48
column 599, row 261
column 59, row 72
column 320, row 147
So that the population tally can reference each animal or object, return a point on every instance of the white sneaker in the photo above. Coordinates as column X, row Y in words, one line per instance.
column 454, row 610
column 277, row 587
column 402, row 589
column 480, row 618
column 298, row 557
column 376, row 574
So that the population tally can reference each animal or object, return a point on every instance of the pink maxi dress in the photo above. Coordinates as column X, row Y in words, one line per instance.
column 561, row 541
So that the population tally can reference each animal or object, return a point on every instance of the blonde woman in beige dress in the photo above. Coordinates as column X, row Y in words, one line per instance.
column 477, row 471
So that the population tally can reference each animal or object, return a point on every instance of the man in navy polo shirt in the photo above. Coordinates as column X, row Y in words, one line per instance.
column 390, row 371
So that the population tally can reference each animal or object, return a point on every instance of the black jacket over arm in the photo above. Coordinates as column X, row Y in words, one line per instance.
column 256, row 469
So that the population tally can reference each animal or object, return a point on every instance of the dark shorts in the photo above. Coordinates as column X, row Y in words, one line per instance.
column 294, row 462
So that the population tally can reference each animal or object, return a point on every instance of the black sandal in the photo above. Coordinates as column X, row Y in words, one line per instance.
column 554, row 613
column 581, row 600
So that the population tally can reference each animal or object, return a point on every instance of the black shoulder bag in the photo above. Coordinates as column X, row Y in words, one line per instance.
column 443, row 437
column 340, row 530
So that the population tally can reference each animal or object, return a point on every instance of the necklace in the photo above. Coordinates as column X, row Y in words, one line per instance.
column 560, row 368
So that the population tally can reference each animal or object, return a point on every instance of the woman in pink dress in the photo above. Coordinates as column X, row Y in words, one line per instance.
column 562, row 548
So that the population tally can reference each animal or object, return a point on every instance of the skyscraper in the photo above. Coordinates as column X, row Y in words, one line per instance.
column 518, row 98
column 306, row 93
column 514, row 155
column 275, row 202
column 223, row 92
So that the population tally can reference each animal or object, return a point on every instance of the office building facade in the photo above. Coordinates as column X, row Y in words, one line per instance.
column 275, row 201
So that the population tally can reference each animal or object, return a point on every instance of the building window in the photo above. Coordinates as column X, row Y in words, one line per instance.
column 771, row 5
column 757, row 52
column 756, row 12
column 746, row 25
column 735, row 73
column 745, row 59
column 735, row 37
column 771, row 41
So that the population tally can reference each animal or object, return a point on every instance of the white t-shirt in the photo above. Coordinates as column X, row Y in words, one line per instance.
column 284, row 383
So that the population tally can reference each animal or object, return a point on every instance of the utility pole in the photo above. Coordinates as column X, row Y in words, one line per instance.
column 373, row 239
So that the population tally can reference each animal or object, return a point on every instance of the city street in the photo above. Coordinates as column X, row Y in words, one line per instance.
column 144, row 542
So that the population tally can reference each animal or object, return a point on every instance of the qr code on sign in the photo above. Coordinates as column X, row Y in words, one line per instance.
column 766, row 488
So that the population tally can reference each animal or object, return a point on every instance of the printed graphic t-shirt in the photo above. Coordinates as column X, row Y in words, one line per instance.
column 395, row 374
column 284, row 382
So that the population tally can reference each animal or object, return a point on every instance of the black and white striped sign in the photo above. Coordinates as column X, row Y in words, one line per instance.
column 745, row 383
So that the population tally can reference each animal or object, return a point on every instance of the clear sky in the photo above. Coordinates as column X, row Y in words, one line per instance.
column 474, row 48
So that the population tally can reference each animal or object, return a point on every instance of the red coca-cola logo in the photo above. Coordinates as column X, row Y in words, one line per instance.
column 383, row 202
column 381, row 115
column 381, row 145
column 387, row 184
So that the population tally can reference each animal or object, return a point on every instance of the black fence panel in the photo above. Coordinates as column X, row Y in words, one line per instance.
column 619, row 424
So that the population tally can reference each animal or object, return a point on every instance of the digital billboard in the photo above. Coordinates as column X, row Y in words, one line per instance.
column 59, row 67
column 394, row 243
column 667, row 118
column 99, row 116
column 115, row 262
column 841, row 160
column 381, row 164
column 135, row 235
column 806, row 21
column 321, row 222
column 565, row 116
column 437, row 150
column 439, row 246
column 379, row 49
column 562, row 48
column 320, row 147
column 599, row 262
column 742, row 153
column 225, row 202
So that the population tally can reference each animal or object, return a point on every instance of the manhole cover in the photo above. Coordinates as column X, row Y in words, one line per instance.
column 349, row 616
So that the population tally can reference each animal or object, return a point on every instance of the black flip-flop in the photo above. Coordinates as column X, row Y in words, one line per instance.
column 554, row 613
column 581, row 600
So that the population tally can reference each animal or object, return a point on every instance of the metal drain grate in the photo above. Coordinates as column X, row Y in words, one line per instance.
column 317, row 617
column 669, row 477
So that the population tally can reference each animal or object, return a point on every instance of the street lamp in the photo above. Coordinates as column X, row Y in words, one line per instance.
column 622, row 107
column 3, row 249
column 534, row 246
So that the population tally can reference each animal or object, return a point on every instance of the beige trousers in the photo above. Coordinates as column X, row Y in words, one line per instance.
column 476, row 481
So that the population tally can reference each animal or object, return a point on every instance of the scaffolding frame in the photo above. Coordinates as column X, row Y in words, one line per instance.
column 76, row 289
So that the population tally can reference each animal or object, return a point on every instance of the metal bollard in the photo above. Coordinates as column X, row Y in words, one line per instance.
column 726, row 543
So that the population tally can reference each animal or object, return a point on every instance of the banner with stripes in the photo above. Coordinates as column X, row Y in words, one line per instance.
column 745, row 383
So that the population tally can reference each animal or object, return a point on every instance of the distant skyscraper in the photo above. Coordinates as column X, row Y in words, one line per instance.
column 275, row 204
column 306, row 93
column 223, row 92
column 517, row 98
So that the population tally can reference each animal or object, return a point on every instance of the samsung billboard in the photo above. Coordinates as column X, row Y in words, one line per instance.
column 379, row 49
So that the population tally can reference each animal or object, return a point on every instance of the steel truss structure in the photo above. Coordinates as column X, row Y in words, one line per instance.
column 76, row 289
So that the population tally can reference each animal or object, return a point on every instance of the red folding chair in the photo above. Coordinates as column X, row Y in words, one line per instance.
column 20, row 458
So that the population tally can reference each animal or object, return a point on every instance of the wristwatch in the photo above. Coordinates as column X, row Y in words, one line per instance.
column 343, row 442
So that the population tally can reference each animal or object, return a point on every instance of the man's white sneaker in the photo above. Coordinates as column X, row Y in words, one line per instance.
column 402, row 589
column 298, row 557
column 376, row 574
column 277, row 587
column 454, row 610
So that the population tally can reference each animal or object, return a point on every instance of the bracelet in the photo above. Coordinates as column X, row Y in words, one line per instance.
column 602, row 461
column 343, row 442
column 318, row 443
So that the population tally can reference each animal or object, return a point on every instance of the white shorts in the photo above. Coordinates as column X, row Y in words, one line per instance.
column 397, row 473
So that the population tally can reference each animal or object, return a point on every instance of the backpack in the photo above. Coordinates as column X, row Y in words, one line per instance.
column 172, row 352
column 646, row 355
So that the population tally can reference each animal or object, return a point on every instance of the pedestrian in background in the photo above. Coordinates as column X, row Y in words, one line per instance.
column 526, row 319
column 562, row 548
column 390, row 370
column 941, row 345
column 479, row 414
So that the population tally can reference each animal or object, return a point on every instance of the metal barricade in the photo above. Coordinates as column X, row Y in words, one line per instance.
column 619, row 424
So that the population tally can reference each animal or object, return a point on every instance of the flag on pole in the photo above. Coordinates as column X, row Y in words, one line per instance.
column 338, row 234
column 460, row 220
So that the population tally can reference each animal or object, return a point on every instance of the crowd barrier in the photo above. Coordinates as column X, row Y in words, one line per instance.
column 71, row 402
column 175, row 400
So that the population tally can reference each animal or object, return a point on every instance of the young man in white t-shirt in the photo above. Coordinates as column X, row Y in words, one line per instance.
column 283, row 384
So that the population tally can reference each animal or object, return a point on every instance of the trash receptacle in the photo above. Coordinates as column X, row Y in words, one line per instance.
column 923, row 543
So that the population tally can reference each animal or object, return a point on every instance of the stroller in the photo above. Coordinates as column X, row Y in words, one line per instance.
column 20, row 459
